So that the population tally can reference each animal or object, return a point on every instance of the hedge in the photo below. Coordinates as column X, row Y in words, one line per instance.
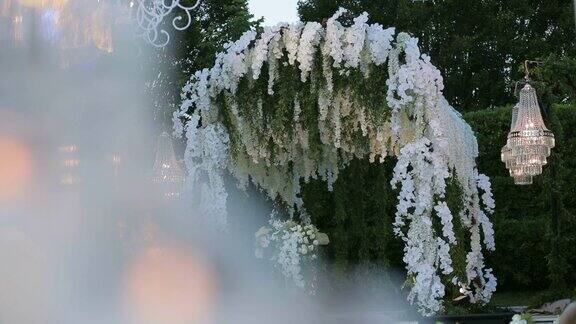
column 534, row 225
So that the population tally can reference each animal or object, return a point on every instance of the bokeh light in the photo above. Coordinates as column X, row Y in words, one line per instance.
column 15, row 168
column 42, row 3
column 170, row 285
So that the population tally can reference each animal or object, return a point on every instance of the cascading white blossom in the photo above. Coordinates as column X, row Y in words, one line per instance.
column 268, row 42
column 309, row 40
column 334, row 39
column 355, row 36
column 291, row 39
column 429, row 138
column 290, row 246
column 206, row 163
column 379, row 42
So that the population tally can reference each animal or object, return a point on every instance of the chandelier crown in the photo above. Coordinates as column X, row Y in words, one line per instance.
column 529, row 117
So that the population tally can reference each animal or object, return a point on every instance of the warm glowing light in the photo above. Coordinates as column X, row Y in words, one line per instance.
column 100, row 30
column 43, row 3
column 529, row 141
column 70, row 163
column 15, row 168
column 18, row 28
column 116, row 160
column 82, row 31
column 68, row 149
column 68, row 180
column 170, row 285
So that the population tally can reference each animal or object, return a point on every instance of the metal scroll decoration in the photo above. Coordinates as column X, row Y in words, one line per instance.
column 151, row 13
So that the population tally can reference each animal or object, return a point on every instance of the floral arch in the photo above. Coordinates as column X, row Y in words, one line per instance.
column 300, row 101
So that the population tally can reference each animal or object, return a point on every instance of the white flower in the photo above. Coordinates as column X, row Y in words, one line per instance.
column 379, row 42
column 322, row 239
column 517, row 319
column 355, row 37
column 291, row 39
column 290, row 246
column 333, row 46
column 260, row 51
column 308, row 41
column 431, row 141
column 446, row 219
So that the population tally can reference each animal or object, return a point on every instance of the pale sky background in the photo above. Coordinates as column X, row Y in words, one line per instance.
column 274, row 11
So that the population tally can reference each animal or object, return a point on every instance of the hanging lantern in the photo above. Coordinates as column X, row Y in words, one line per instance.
column 529, row 141
column 166, row 169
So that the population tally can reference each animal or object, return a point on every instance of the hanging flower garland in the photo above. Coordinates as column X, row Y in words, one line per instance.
column 300, row 101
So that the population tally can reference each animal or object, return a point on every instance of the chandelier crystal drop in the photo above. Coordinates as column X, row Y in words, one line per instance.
column 520, row 178
column 166, row 168
column 529, row 141
column 506, row 153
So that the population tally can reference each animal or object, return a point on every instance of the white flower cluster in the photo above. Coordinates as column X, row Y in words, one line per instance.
column 206, row 163
column 428, row 136
column 517, row 319
column 292, row 246
column 311, row 36
column 422, row 174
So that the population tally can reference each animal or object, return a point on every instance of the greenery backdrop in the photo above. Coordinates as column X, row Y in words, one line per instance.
column 535, row 241
column 535, row 226
column 479, row 47
column 476, row 44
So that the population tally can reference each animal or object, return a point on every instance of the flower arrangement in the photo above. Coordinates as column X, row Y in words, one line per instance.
column 300, row 101
column 291, row 246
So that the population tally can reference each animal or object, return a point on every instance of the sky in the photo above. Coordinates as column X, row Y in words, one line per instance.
column 274, row 11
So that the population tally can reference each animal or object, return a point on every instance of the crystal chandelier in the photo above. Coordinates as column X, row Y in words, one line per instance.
column 166, row 170
column 529, row 141
column 69, row 164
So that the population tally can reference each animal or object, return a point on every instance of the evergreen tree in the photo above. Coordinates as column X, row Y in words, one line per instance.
column 214, row 23
column 477, row 45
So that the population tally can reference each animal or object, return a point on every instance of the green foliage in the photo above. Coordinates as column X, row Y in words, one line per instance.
column 272, row 122
column 536, row 242
column 556, row 77
column 477, row 45
column 523, row 220
column 214, row 23
column 358, row 217
column 534, row 225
